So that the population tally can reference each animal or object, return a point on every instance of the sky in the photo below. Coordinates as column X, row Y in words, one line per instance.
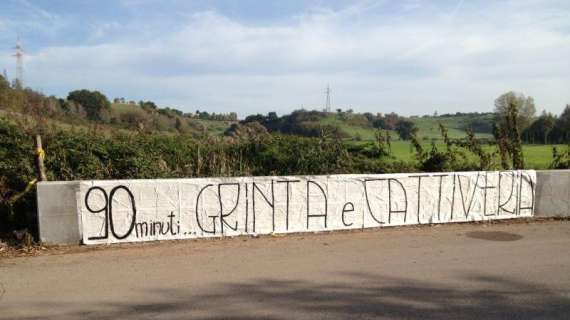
column 412, row 57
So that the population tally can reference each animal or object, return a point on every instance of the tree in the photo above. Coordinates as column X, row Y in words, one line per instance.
column 255, row 117
column 95, row 103
column 272, row 116
column 507, row 129
column 540, row 130
column 524, row 106
column 178, row 124
column 204, row 115
column 4, row 92
column 562, row 126
column 148, row 105
column 4, row 84
column 391, row 121
column 369, row 116
column 406, row 129
column 379, row 123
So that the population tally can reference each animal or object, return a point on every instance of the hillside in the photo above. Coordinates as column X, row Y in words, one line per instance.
column 363, row 127
column 456, row 125
column 92, row 108
column 85, row 109
column 133, row 115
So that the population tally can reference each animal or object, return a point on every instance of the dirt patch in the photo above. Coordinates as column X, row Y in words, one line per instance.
column 494, row 235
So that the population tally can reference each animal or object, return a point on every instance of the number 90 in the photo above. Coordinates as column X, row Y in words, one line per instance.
column 107, row 208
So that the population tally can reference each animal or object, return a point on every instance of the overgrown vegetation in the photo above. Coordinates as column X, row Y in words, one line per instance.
column 86, row 154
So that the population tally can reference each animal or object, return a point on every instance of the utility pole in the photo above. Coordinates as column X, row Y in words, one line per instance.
column 19, row 63
column 328, row 100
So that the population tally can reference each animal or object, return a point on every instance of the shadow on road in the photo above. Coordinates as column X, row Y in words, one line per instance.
column 351, row 295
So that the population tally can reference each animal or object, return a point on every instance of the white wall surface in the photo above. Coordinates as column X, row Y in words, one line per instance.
column 143, row 210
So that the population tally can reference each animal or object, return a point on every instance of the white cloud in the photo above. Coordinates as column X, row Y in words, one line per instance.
column 20, row 17
column 415, row 62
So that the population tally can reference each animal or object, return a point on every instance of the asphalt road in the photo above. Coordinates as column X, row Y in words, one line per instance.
column 497, row 271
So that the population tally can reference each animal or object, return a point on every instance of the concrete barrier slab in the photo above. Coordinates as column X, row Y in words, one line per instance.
column 553, row 193
column 58, row 214
column 96, row 212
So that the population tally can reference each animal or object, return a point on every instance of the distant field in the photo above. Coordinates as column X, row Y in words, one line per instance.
column 535, row 156
column 362, row 132
column 213, row 127
column 428, row 128
column 539, row 156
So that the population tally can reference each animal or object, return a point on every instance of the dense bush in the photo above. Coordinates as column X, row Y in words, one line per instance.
column 560, row 159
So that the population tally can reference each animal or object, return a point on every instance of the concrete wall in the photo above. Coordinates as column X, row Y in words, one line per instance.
column 553, row 193
column 58, row 213
column 141, row 210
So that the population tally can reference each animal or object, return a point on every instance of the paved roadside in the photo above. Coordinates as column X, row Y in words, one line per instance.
column 494, row 271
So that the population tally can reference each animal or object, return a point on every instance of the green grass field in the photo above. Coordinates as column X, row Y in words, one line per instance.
column 539, row 156
column 535, row 156
column 429, row 127
column 362, row 132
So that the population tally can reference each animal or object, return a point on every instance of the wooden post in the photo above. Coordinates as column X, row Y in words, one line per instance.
column 40, row 168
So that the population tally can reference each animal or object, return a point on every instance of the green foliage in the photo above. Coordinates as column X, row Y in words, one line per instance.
column 540, row 131
column 406, row 129
column 456, row 124
column 383, row 143
column 563, row 126
column 474, row 145
column 458, row 155
column 508, row 136
column 524, row 106
column 95, row 103
column 4, row 84
column 16, row 170
column 249, row 130
column 560, row 160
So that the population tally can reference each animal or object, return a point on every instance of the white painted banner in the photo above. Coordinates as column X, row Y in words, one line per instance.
column 143, row 210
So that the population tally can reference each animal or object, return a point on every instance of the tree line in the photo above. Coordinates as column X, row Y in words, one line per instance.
column 91, row 106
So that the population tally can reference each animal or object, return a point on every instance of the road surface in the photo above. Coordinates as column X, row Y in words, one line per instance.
column 477, row 271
